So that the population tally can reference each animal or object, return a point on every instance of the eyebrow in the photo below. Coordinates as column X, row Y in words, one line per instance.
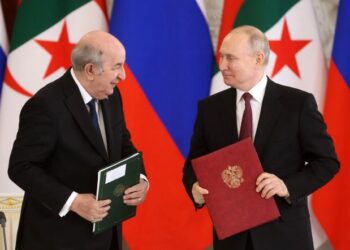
column 118, row 64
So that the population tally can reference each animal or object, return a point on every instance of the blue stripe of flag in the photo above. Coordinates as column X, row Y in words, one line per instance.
column 169, row 50
column 341, row 51
column 2, row 66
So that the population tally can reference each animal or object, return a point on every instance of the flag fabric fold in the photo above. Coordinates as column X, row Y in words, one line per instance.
column 3, row 47
column 331, row 203
column 170, row 58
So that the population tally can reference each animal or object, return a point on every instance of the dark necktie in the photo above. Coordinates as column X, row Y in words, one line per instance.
column 93, row 116
column 247, row 120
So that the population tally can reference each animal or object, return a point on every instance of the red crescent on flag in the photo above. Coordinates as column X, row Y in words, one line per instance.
column 12, row 83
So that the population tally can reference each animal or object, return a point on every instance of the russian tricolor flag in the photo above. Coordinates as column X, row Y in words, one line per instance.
column 332, row 204
column 169, row 59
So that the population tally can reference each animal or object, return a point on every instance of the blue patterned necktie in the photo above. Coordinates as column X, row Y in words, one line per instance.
column 93, row 115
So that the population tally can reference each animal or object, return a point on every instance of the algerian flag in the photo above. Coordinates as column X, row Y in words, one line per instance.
column 43, row 37
column 296, row 58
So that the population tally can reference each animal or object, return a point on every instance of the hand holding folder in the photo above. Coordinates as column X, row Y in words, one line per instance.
column 230, row 176
column 113, row 180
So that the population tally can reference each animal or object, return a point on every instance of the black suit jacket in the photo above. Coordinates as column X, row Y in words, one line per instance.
column 58, row 151
column 292, row 143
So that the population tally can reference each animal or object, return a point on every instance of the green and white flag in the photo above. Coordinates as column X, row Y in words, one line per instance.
column 297, row 58
column 43, row 37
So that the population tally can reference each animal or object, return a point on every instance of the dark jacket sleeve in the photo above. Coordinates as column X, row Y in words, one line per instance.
column 318, row 152
column 34, row 144
column 197, row 148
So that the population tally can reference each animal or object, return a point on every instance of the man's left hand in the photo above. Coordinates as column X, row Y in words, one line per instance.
column 135, row 195
column 269, row 185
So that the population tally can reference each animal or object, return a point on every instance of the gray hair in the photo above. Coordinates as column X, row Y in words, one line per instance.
column 257, row 40
column 83, row 54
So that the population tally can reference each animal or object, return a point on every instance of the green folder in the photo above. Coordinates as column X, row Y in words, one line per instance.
column 111, row 184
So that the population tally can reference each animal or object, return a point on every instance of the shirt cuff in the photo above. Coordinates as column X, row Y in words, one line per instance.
column 68, row 203
column 142, row 176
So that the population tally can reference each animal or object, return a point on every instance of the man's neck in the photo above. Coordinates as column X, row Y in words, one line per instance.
column 82, row 80
column 253, row 82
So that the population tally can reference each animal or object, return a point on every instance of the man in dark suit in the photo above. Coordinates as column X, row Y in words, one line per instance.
column 289, row 135
column 69, row 130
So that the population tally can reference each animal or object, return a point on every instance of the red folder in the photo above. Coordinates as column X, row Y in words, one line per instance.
column 230, row 174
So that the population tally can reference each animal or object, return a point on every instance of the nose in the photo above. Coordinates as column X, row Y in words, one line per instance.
column 222, row 63
column 122, row 74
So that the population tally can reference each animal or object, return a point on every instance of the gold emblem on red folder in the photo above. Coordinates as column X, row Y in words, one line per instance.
column 232, row 176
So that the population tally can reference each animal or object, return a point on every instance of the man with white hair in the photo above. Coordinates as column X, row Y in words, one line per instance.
column 69, row 130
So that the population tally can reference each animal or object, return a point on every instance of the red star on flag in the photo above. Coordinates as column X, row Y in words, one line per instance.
column 286, row 50
column 60, row 51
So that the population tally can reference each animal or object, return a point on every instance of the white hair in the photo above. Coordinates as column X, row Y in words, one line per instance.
column 83, row 54
column 257, row 40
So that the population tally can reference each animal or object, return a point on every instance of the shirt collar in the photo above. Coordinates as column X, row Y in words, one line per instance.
column 86, row 96
column 257, row 91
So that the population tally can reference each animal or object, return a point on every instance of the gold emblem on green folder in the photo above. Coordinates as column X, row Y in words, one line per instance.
column 112, row 181
column 119, row 190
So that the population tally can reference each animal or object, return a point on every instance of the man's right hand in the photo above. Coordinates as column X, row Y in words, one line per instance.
column 197, row 193
column 86, row 206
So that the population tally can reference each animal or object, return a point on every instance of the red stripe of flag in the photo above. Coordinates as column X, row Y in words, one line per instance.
column 229, row 13
column 167, row 219
column 331, row 203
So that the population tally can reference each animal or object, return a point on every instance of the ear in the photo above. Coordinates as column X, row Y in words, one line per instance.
column 89, row 71
column 260, row 57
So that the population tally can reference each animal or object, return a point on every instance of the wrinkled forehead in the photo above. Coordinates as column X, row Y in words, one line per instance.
column 114, row 58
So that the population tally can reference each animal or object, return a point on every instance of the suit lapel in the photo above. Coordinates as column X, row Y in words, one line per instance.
column 76, row 106
column 105, row 106
column 270, row 110
column 228, row 115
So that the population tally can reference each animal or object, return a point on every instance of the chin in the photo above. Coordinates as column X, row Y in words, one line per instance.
column 228, row 79
column 229, row 83
column 103, row 97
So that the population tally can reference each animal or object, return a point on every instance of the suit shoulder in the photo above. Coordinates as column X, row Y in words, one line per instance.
column 51, row 89
column 287, row 90
column 50, row 94
column 290, row 95
column 219, row 97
